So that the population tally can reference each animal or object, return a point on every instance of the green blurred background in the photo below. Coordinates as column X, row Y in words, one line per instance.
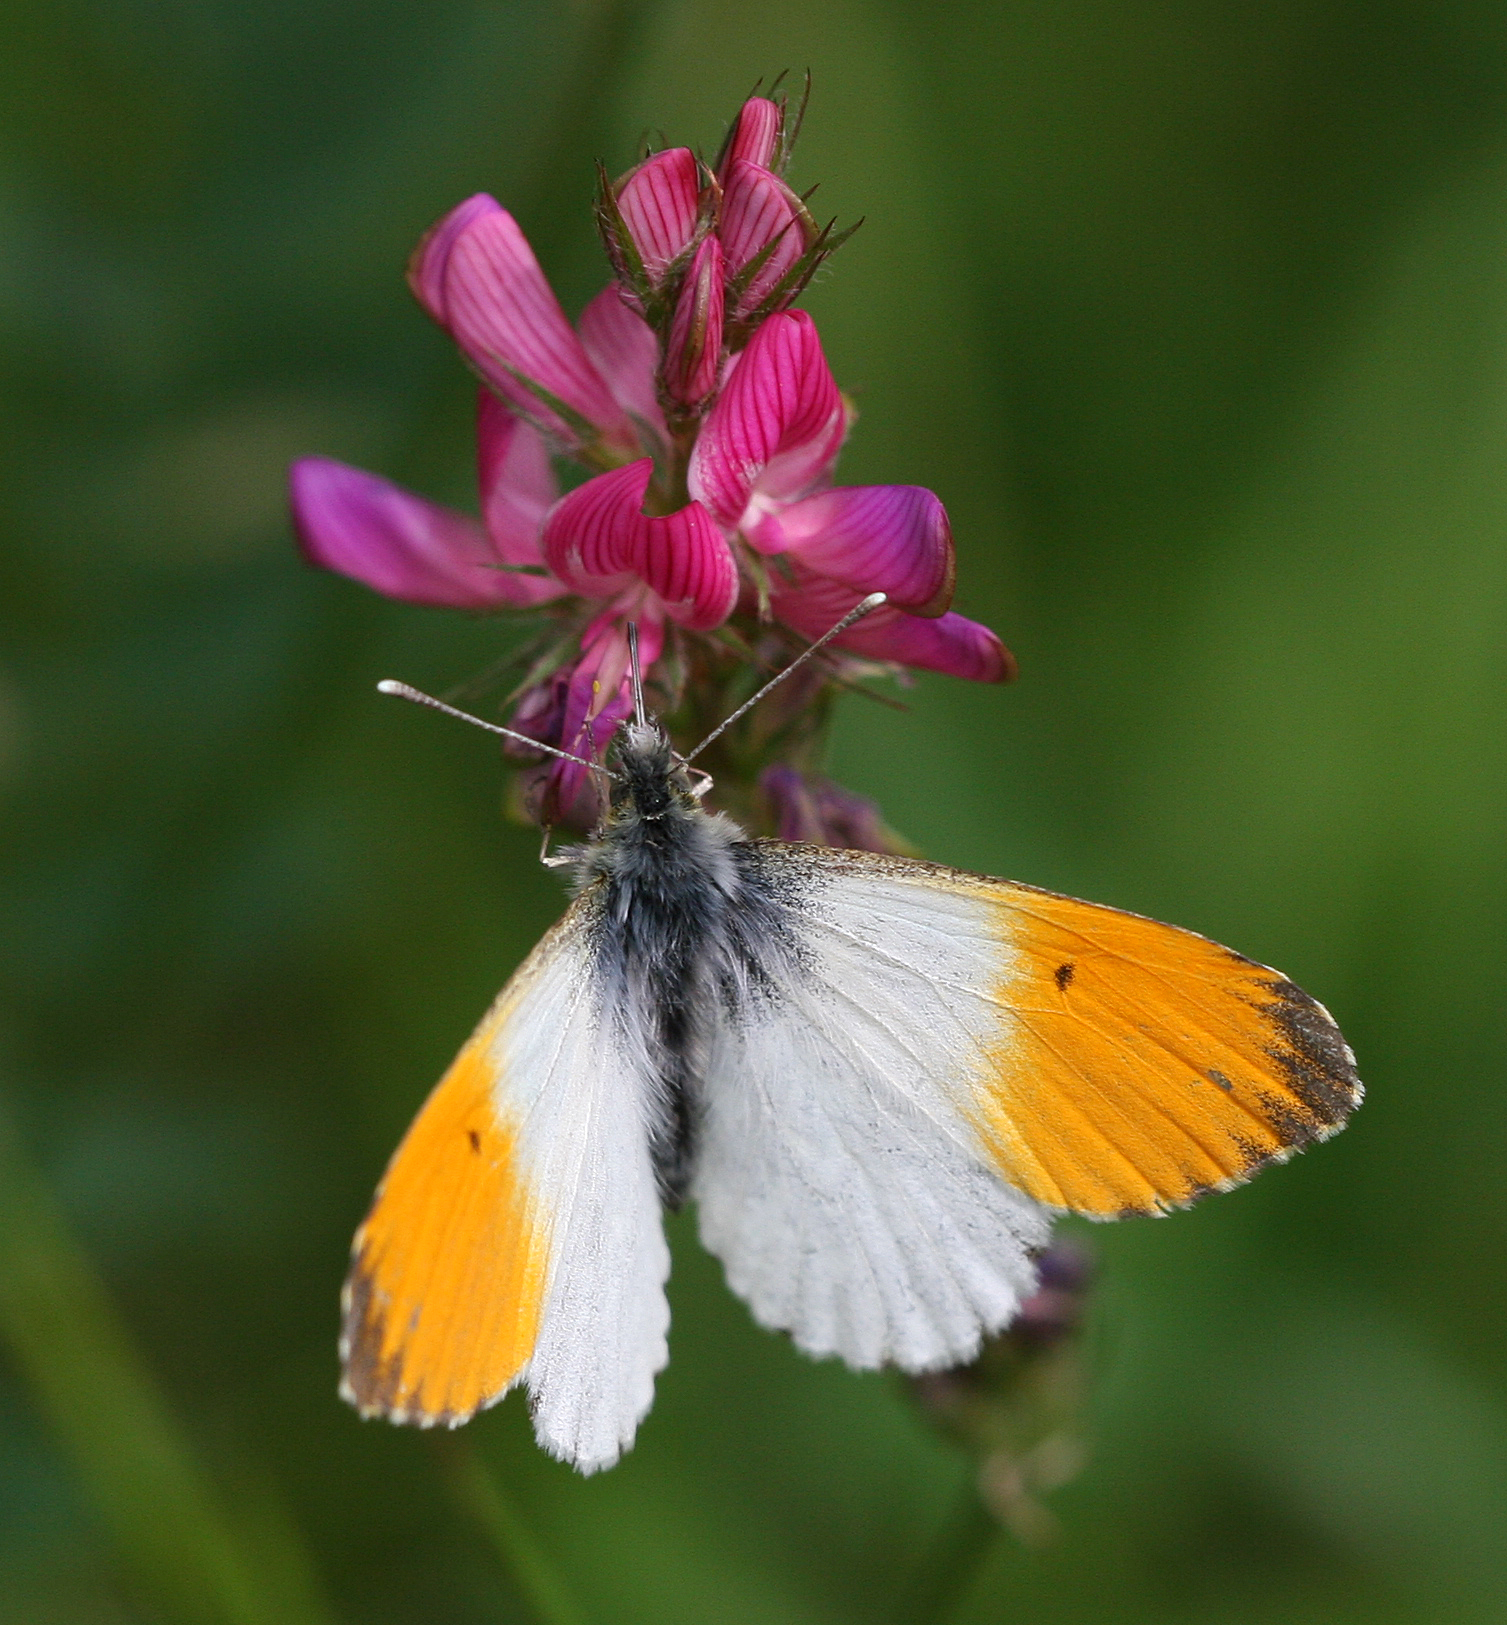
column 1195, row 314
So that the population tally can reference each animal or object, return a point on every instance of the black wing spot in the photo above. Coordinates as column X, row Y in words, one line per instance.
column 1063, row 975
column 475, row 1140
column 1220, row 1081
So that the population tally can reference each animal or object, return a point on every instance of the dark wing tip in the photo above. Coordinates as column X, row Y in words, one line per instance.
column 372, row 1384
column 1316, row 1063
column 367, row 1381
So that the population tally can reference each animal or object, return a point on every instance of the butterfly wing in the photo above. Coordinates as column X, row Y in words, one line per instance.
column 516, row 1236
column 948, row 1059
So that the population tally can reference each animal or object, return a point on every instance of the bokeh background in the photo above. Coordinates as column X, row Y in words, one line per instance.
column 1195, row 314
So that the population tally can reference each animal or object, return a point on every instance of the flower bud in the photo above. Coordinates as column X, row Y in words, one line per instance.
column 755, row 136
column 693, row 353
column 766, row 233
column 649, row 219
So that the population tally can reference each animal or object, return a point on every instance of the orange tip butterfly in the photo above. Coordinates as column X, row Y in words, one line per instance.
column 878, row 1079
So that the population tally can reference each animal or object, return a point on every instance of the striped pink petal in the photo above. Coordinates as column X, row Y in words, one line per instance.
column 755, row 137
column 363, row 526
column 518, row 485
column 426, row 265
column 775, row 429
column 893, row 539
column 949, row 643
column 622, row 347
column 510, row 325
column 599, row 541
column 693, row 355
column 658, row 202
column 759, row 211
column 589, row 537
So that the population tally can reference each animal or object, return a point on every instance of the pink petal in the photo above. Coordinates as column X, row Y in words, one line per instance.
column 518, row 485
column 597, row 698
column 775, row 429
column 510, row 325
column 402, row 546
column 590, row 536
column 693, row 355
column 658, row 202
column 875, row 538
column 758, row 210
column 622, row 347
column 755, row 137
column 950, row 643
column 599, row 541
column 426, row 265
column 686, row 560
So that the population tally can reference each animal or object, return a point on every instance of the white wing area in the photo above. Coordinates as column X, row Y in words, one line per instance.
column 839, row 1177
column 584, row 1152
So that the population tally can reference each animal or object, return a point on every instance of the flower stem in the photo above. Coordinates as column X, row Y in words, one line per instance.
column 528, row 1564
column 951, row 1564
column 94, row 1388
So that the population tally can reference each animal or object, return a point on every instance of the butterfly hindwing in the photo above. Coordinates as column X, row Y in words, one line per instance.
column 516, row 1236
column 838, row 1176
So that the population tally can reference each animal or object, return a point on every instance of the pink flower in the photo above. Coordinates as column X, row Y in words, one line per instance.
column 477, row 277
column 711, row 423
column 404, row 546
column 762, row 465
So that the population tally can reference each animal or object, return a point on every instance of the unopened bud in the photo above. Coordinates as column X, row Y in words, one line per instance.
column 755, row 136
column 766, row 232
column 651, row 218
column 693, row 353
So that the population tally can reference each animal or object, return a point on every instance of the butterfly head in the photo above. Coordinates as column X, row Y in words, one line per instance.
column 650, row 781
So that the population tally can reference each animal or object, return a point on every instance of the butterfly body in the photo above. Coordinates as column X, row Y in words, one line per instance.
column 696, row 926
column 879, row 1081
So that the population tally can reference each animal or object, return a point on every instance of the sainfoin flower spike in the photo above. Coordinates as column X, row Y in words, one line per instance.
column 702, row 410
column 879, row 1080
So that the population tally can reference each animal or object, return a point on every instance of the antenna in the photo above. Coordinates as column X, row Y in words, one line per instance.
column 640, row 716
column 857, row 613
column 404, row 692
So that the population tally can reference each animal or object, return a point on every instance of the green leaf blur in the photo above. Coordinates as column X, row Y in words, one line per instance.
column 1196, row 317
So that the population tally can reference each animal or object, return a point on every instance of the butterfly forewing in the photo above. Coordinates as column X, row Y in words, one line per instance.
column 1141, row 1065
column 516, row 1235
column 1124, row 1065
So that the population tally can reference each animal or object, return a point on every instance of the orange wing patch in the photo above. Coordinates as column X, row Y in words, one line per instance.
column 442, row 1303
column 1146, row 1065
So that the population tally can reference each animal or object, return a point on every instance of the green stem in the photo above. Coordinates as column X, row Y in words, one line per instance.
column 94, row 1388
column 528, row 1564
column 950, row 1566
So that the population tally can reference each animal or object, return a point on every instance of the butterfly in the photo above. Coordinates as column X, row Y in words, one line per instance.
column 880, row 1080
